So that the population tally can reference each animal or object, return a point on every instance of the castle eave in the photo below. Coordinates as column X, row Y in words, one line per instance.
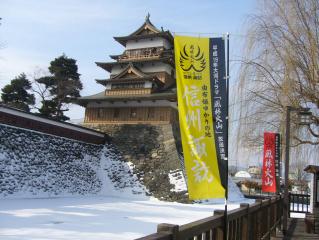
column 108, row 65
column 104, row 82
column 115, row 57
column 100, row 97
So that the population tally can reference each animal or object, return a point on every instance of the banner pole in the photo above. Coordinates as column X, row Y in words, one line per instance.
column 227, row 134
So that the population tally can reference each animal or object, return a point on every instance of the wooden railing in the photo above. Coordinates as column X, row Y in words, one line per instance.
column 249, row 221
column 142, row 53
column 299, row 203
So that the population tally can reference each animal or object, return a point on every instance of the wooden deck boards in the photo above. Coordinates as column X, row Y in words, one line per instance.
column 296, row 231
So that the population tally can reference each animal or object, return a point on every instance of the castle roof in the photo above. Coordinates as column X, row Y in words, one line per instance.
column 115, row 56
column 165, row 34
column 169, row 95
column 131, row 73
column 312, row 169
column 147, row 30
column 108, row 65
column 132, row 77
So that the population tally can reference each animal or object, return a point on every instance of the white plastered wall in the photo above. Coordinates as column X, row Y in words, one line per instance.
column 148, row 42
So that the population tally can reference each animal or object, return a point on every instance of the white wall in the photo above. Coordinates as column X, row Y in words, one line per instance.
column 150, row 42
column 156, row 67
column 116, row 69
column 148, row 84
column 108, row 86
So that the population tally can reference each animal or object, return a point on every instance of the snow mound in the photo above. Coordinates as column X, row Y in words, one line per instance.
column 120, row 177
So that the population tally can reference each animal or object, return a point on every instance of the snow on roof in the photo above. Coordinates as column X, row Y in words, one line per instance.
column 31, row 116
column 243, row 174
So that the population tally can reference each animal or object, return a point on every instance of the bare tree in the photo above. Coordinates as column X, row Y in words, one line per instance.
column 40, row 90
column 280, row 69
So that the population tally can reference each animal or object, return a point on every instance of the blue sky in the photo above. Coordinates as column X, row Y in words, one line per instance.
column 33, row 32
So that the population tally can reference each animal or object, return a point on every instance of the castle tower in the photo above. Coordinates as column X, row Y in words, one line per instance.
column 141, row 87
column 138, row 107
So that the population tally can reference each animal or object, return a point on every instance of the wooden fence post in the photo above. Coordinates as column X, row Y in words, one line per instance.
column 220, row 231
column 168, row 228
column 245, row 226
column 259, row 220
column 290, row 200
column 275, row 216
column 266, row 216
column 280, row 211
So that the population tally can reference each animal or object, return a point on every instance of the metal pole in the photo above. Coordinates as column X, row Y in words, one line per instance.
column 227, row 145
column 286, row 192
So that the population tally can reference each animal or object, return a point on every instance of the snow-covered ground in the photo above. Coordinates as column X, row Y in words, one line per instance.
column 297, row 215
column 296, row 207
column 117, row 214
column 93, row 218
column 56, row 188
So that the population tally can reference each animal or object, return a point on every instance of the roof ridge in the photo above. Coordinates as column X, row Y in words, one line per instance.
column 148, row 24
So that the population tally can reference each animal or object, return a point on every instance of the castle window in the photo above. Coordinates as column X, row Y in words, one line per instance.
column 100, row 112
column 116, row 113
column 151, row 113
column 133, row 113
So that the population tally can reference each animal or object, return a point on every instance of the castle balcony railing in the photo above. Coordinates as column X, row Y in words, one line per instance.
column 142, row 53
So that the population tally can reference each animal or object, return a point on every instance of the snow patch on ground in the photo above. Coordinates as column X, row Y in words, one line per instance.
column 297, row 215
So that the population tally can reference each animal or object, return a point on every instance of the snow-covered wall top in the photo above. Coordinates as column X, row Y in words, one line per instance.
column 33, row 164
column 15, row 117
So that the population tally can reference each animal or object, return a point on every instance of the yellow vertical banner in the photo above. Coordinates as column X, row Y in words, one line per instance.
column 192, row 60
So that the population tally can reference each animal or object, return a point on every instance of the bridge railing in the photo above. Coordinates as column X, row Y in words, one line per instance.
column 248, row 222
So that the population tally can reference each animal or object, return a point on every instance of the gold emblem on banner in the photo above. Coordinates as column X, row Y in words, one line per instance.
column 192, row 61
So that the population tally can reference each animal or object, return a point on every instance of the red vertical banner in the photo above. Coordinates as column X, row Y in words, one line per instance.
column 269, row 172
